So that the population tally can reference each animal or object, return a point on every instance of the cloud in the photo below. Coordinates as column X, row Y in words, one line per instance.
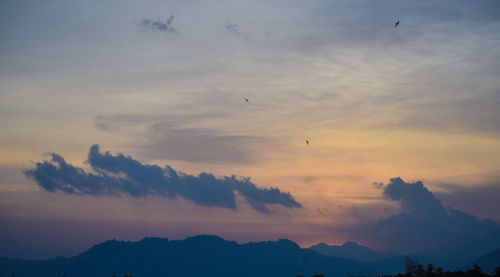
column 126, row 122
column 235, row 30
column 425, row 226
column 367, row 21
column 414, row 198
column 475, row 113
column 378, row 185
column 308, row 178
column 120, row 174
column 162, row 138
column 118, row 122
column 201, row 144
column 481, row 199
column 157, row 25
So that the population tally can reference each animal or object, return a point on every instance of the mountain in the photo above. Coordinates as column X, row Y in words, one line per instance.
column 382, row 263
column 213, row 256
column 487, row 262
column 350, row 250
column 196, row 256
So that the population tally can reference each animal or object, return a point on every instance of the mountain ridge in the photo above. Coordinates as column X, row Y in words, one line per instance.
column 194, row 256
column 208, row 255
column 350, row 250
column 488, row 262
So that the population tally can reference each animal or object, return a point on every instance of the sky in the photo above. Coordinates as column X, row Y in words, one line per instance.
column 128, row 119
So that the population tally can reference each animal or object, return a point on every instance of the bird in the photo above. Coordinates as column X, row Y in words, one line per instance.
column 246, row 99
column 396, row 24
column 307, row 141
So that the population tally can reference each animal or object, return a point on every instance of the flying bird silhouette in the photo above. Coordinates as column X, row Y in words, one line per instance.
column 307, row 141
column 246, row 99
column 396, row 24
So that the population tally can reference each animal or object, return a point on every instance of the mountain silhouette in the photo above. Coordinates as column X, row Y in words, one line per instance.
column 488, row 262
column 195, row 256
column 383, row 263
column 209, row 256
column 350, row 250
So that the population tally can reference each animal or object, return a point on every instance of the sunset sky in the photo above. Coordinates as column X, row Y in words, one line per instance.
column 420, row 101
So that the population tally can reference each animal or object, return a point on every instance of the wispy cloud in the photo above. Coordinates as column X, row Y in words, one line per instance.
column 169, row 137
column 235, row 30
column 158, row 25
column 120, row 174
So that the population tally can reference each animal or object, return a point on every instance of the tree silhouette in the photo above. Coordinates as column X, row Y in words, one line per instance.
column 414, row 269
column 476, row 271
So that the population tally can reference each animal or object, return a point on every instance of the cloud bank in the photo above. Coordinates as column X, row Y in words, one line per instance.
column 120, row 174
column 425, row 226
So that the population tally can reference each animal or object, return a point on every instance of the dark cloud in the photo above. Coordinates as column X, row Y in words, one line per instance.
column 120, row 174
column 235, row 30
column 481, row 199
column 158, row 25
column 425, row 226
column 414, row 198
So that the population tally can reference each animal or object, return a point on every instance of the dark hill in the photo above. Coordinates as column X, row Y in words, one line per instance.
column 195, row 256
column 350, row 250
column 488, row 262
